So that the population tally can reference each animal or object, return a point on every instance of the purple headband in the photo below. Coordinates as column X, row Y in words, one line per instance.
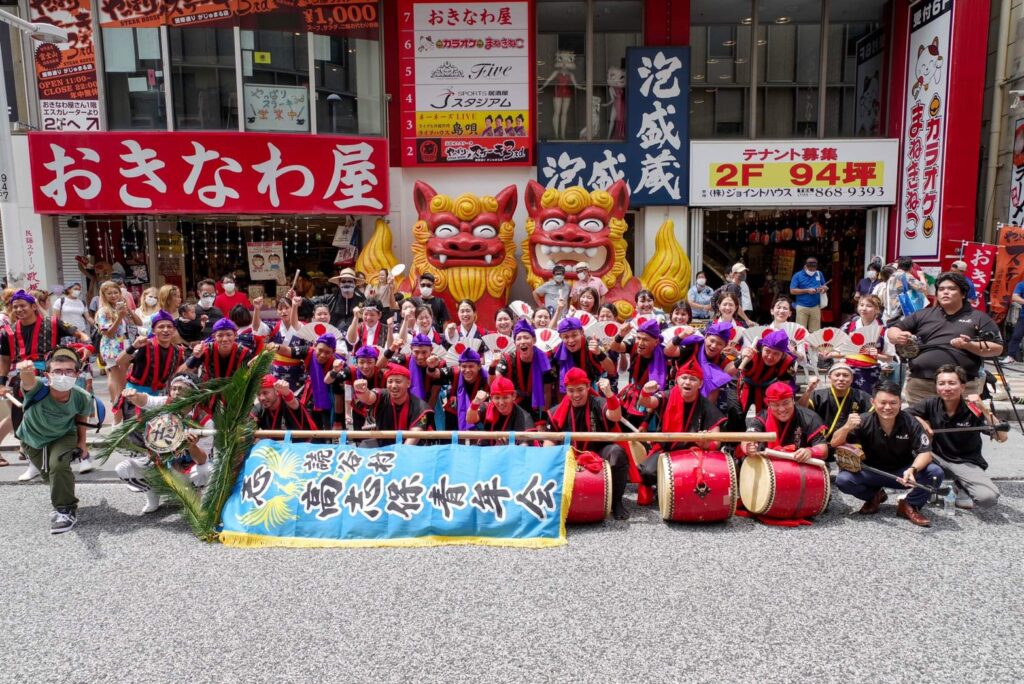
column 161, row 315
column 523, row 325
column 367, row 352
column 777, row 340
column 328, row 339
column 569, row 324
column 421, row 340
column 225, row 324
column 651, row 328
column 469, row 356
column 723, row 330
column 23, row 296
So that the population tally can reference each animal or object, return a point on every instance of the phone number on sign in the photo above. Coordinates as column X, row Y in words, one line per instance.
column 803, row 175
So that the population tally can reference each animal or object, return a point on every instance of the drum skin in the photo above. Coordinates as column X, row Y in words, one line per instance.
column 777, row 488
column 591, row 500
column 679, row 499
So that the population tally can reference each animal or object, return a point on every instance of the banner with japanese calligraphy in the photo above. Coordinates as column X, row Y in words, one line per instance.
column 66, row 72
column 196, row 172
column 1009, row 269
column 352, row 18
column 924, row 128
column 793, row 172
column 302, row 494
column 1016, row 214
column 981, row 260
column 867, row 118
column 655, row 157
column 466, row 93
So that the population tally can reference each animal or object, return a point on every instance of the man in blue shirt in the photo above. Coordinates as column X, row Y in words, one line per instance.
column 972, row 292
column 1018, row 330
column 806, row 288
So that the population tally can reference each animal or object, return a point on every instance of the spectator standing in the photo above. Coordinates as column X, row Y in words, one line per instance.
column 231, row 296
column 551, row 291
column 807, row 286
column 700, row 296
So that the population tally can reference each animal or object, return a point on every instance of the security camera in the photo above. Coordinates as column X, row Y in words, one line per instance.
column 1015, row 102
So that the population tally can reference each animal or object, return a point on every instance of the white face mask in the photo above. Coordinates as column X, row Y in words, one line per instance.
column 702, row 281
column 151, row 301
column 426, row 291
column 229, row 288
column 75, row 294
column 206, row 301
column 62, row 383
column 559, row 278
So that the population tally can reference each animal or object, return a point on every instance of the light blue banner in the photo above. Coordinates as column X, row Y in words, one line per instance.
column 303, row 494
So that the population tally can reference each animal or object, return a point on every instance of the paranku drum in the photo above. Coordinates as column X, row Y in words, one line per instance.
column 696, row 486
column 591, row 495
column 777, row 488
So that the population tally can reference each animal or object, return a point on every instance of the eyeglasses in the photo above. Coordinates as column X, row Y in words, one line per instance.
column 68, row 373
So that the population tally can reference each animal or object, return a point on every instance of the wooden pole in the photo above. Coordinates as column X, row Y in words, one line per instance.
column 525, row 436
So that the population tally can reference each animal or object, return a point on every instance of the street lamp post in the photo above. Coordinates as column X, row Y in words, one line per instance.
column 45, row 33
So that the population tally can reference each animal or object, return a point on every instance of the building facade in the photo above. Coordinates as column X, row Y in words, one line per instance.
column 222, row 136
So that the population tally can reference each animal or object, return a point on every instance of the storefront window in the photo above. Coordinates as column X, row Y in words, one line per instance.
column 565, row 32
column 854, row 70
column 133, row 66
column 275, row 80
column 720, row 74
column 203, row 78
column 348, row 85
column 789, row 48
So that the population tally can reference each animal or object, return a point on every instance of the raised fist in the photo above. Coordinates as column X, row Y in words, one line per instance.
column 360, row 386
column 257, row 303
column 199, row 350
column 853, row 421
column 282, row 387
column 480, row 397
column 592, row 346
column 651, row 387
column 433, row 361
column 605, row 387
column 139, row 342
column 25, row 365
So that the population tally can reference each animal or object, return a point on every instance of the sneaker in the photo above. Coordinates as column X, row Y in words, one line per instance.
column 1008, row 359
column 30, row 472
column 963, row 499
column 88, row 465
column 54, row 514
column 63, row 520
column 152, row 502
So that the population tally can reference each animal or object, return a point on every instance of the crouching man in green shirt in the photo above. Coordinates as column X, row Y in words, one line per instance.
column 53, row 428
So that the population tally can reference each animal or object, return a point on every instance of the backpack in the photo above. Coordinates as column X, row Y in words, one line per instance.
column 100, row 408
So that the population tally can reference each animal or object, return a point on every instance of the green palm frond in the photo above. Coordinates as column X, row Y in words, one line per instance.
column 170, row 483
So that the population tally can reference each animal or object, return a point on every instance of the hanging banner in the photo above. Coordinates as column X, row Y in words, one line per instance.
column 924, row 128
column 981, row 261
column 867, row 119
column 1016, row 213
column 350, row 18
column 655, row 159
column 301, row 494
column 66, row 72
column 792, row 173
column 467, row 74
column 196, row 172
column 1009, row 269
column 266, row 261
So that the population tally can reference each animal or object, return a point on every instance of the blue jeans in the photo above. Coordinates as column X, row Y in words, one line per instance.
column 865, row 485
column 1015, row 339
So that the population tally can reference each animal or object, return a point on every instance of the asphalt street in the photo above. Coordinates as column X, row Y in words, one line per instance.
column 126, row 597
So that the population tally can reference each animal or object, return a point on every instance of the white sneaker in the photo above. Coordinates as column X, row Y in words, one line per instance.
column 200, row 474
column 1009, row 359
column 88, row 465
column 152, row 502
column 30, row 472
column 963, row 499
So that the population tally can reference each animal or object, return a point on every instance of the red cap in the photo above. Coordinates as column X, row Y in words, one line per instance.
column 502, row 385
column 691, row 368
column 778, row 391
column 576, row 376
column 395, row 369
column 268, row 381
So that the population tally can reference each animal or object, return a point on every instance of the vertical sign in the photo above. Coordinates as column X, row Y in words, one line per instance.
column 66, row 72
column 981, row 260
column 867, row 120
column 1016, row 214
column 1009, row 269
column 924, row 127
column 466, row 91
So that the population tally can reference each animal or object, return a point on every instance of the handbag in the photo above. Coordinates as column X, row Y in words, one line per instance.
column 823, row 297
column 908, row 303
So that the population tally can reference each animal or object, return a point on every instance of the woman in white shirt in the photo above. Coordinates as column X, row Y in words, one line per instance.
column 70, row 308
column 149, row 306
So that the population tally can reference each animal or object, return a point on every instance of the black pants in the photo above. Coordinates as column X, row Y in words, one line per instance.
column 618, row 459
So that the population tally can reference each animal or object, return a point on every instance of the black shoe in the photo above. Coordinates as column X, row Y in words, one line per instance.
column 62, row 520
column 619, row 511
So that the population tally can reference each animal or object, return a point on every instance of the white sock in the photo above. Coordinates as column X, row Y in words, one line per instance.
column 152, row 501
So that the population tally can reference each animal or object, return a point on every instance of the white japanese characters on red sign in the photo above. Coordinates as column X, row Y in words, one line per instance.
column 150, row 172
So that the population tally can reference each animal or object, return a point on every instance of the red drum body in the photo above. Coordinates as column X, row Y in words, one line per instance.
column 777, row 488
column 696, row 486
column 591, row 495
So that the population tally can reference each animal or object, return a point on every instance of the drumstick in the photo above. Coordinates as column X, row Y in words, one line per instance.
column 878, row 471
column 775, row 453
column 295, row 280
column 14, row 401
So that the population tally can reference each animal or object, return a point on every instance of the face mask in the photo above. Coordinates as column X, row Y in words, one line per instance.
column 559, row 279
column 75, row 294
column 426, row 291
column 229, row 287
column 151, row 301
column 62, row 383
column 347, row 289
column 872, row 275
column 810, row 270
column 702, row 281
column 206, row 301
